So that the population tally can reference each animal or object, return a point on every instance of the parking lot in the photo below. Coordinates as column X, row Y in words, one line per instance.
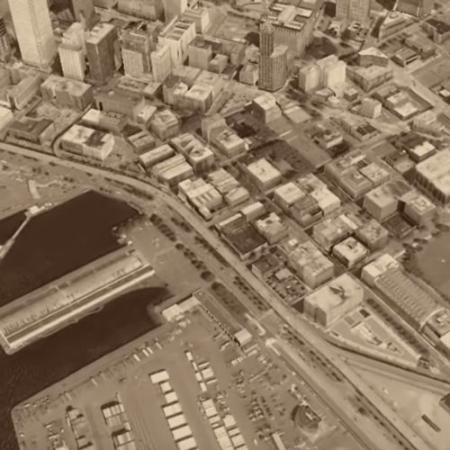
column 253, row 395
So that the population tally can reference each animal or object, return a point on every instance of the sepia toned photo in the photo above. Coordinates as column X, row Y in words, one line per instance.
column 224, row 224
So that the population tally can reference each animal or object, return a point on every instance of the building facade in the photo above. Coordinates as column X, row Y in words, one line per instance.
column 161, row 63
column 136, row 49
column 272, row 60
column 100, row 48
column 358, row 10
column 5, row 44
column 83, row 11
column 72, row 52
column 173, row 8
column 178, row 34
column 31, row 19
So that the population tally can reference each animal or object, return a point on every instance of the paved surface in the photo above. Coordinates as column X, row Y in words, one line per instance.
column 269, row 296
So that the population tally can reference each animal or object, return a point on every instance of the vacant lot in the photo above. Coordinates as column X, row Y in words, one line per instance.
column 434, row 73
column 434, row 263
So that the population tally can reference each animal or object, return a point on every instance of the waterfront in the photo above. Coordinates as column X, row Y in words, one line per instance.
column 53, row 358
column 60, row 240
column 53, row 243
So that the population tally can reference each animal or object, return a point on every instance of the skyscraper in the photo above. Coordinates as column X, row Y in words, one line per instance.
column 72, row 52
column 100, row 49
column 161, row 63
column 358, row 10
column 173, row 8
column 309, row 78
column 272, row 60
column 83, row 11
column 136, row 49
column 5, row 45
column 178, row 34
column 31, row 19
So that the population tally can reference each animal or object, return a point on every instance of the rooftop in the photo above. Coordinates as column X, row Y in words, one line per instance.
column 99, row 32
column 263, row 170
column 344, row 289
column 164, row 117
column 372, row 51
column 405, row 292
column 306, row 256
column 265, row 101
column 242, row 235
column 54, row 82
column 387, row 192
column 436, row 169
column 83, row 135
column 351, row 249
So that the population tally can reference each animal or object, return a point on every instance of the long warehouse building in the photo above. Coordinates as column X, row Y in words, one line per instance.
column 65, row 300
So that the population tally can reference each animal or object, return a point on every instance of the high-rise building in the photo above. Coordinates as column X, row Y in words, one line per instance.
column 173, row 8
column 266, row 39
column 136, row 49
column 161, row 63
column 293, row 25
column 272, row 60
column 309, row 78
column 83, row 11
column 5, row 45
column 178, row 34
column 200, row 53
column 146, row 9
column 417, row 8
column 100, row 49
column 72, row 52
column 358, row 10
column 31, row 19
column 328, row 72
column 334, row 73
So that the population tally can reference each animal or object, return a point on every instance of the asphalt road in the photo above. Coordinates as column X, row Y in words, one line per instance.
column 307, row 332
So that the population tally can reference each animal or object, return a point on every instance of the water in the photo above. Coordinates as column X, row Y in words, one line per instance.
column 49, row 360
column 50, row 245
column 61, row 240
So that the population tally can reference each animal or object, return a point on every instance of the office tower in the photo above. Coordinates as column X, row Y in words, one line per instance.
column 161, row 63
column 309, row 78
column 178, row 34
column 173, row 8
column 146, row 9
column 266, row 39
column 329, row 72
column 291, row 29
column 5, row 45
column 358, row 10
column 136, row 49
column 200, row 53
column 83, row 11
column 100, row 49
column 272, row 60
column 31, row 19
column 334, row 73
column 72, row 52
column 417, row 8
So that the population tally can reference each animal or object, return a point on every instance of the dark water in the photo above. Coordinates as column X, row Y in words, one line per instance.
column 9, row 225
column 61, row 240
column 50, row 245
column 49, row 360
